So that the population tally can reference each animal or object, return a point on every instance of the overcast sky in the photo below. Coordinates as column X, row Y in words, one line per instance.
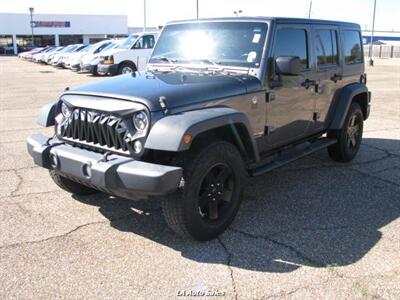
column 161, row 11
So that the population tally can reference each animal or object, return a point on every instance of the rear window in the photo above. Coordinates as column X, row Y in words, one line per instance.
column 326, row 47
column 292, row 42
column 351, row 41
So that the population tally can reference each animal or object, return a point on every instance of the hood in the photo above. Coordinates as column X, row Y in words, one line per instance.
column 178, row 88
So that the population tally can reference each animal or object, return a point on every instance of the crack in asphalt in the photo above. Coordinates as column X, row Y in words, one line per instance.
column 19, row 184
column 283, row 293
column 64, row 234
column 27, row 194
column 298, row 253
column 228, row 263
column 18, row 169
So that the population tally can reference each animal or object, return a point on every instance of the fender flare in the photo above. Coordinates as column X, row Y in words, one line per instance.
column 343, row 101
column 47, row 114
column 167, row 133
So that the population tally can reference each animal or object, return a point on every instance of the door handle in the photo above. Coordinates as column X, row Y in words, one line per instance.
column 336, row 77
column 308, row 83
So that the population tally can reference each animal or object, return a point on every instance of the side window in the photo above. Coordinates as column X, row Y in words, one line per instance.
column 351, row 41
column 326, row 47
column 149, row 41
column 292, row 42
column 145, row 42
column 138, row 44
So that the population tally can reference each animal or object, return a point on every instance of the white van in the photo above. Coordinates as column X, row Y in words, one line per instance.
column 130, row 56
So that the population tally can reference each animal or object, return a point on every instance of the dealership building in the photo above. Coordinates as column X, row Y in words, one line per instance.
column 59, row 30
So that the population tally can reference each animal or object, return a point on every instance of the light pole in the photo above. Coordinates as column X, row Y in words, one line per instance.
column 31, row 9
column 371, row 61
column 309, row 9
column 197, row 9
column 144, row 15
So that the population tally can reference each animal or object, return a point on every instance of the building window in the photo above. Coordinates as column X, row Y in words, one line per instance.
column 292, row 42
column 351, row 41
column 70, row 39
column 24, row 42
column 326, row 47
column 6, row 44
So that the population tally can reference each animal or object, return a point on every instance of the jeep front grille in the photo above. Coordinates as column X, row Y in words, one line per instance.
column 97, row 129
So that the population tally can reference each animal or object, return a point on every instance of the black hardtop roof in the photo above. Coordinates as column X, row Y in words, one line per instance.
column 273, row 19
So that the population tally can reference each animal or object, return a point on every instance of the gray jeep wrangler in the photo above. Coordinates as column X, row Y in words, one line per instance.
column 221, row 100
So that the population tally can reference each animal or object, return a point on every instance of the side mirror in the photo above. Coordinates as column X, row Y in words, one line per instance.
column 288, row 65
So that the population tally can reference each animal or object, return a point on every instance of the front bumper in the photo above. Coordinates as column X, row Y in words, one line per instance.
column 107, row 69
column 88, row 68
column 117, row 175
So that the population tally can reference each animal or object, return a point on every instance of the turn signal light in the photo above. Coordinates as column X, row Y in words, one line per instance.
column 187, row 139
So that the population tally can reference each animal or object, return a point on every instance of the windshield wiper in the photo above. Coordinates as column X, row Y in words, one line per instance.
column 211, row 62
column 169, row 60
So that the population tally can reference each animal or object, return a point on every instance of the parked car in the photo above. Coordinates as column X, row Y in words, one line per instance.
column 74, row 60
column 39, row 56
column 222, row 99
column 130, row 56
column 47, row 55
column 89, row 62
column 29, row 54
column 57, row 59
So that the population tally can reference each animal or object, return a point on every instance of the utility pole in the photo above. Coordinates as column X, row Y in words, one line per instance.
column 371, row 61
column 309, row 9
column 31, row 9
column 144, row 15
column 197, row 9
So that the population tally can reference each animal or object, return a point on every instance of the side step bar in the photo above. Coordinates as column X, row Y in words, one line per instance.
column 292, row 155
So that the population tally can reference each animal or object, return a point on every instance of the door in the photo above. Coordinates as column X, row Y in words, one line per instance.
column 289, row 115
column 142, row 50
column 328, row 72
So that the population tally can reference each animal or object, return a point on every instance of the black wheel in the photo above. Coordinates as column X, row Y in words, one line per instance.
column 71, row 186
column 211, row 196
column 126, row 68
column 349, row 137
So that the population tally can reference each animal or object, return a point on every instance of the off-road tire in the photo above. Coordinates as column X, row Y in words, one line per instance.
column 341, row 151
column 181, row 210
column 71, row 186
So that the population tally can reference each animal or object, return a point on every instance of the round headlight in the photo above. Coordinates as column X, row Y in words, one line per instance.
column 65, row 110
column 141, row 121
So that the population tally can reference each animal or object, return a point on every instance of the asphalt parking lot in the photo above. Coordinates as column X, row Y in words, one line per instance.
column 313, row 229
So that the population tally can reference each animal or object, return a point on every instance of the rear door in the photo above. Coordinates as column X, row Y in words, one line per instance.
column 329, row 73
column 142, row 50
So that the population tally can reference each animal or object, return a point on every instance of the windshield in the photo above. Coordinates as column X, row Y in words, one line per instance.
column 110, row 46
column 129, row 41
column 225, row 43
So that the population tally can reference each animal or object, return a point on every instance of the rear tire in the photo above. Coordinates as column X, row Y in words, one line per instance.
column 208, row 202
column 349, row 137
column 71, row 186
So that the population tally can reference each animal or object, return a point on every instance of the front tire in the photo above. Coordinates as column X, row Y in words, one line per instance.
column 127, row 68
column 71, row 186
column 208, row 202
column 349, row 137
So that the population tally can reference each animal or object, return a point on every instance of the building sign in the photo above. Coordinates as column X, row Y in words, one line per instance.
column 63, row 24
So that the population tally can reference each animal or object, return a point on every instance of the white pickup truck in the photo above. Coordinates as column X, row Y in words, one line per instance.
column 130, row 56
